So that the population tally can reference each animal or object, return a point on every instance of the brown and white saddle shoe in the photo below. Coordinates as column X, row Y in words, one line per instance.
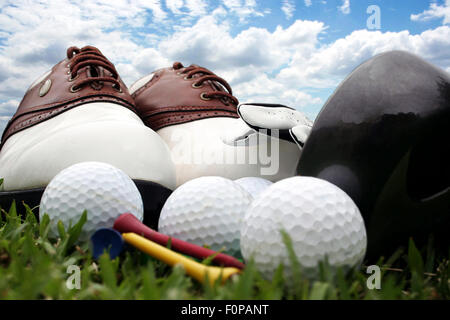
column 195, row 113
column 80, row 110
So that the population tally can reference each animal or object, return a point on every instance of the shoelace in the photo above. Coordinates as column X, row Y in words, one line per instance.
column 207, row 75
column 92, row 57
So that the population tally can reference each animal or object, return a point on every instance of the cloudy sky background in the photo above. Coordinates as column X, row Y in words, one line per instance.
column 288, row 52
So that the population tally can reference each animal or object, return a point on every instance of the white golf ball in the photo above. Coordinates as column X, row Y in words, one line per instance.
column 100, row 188
column 206, row 211
column 253, row 185
column 321, row 220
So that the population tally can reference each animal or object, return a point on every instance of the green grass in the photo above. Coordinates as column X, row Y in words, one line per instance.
column 32, row 266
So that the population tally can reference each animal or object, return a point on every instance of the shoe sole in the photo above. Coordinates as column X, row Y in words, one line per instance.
column 153, row 195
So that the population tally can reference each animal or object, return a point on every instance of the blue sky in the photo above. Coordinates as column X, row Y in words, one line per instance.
column 288, row 52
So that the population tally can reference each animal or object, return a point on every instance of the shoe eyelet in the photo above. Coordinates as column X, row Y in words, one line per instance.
column 186, row 78
column 203, row 96
column 70, row 79
column 119, row 89
column 74, row 89
column 197, row 86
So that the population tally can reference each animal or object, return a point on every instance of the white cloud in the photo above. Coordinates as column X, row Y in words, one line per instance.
column 145, row 61
column 435, row 12
column 7, row 107
column 38, row 34
column 288, row 9
column 252, row 49
column 263, row 88
column 345, row 7
column 175, row 5
column 308, row 3
column 244, row 9
column 328, row 65
column 194, row 7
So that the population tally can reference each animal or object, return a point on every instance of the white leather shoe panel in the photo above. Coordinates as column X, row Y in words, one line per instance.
column 102, row 132
column 140, row 83
column 202, row 148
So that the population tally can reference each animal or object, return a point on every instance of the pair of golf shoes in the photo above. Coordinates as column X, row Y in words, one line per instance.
column 175, row 124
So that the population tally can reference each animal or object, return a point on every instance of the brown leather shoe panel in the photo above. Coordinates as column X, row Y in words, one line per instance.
column 171, row 97
column 171, row 90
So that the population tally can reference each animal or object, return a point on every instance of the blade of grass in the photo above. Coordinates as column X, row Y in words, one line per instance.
column 44, row 226
column 431, row 255
column 61, row 229
column 416, row 268
column 298, row 285
column 75, row 231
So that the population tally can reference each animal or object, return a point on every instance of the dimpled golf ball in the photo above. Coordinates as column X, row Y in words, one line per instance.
column 100, row 188
column 320, row 219
column 206, row 211
column 254, row 185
